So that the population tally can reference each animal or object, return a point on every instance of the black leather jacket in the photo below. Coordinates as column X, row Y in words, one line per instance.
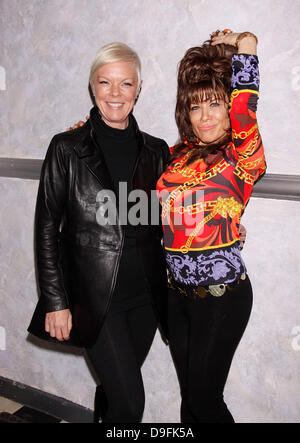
column 77, row 259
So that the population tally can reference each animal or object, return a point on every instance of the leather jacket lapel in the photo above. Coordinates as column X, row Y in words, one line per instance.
column 91, row 154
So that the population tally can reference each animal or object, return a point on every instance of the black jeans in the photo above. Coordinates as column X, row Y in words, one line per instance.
column 203, row 336
column 117, row 356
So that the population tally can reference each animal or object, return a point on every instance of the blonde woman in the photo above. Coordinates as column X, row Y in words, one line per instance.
column 103, row 285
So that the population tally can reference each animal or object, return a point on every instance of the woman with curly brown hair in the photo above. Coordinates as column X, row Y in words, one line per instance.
column 203, row 193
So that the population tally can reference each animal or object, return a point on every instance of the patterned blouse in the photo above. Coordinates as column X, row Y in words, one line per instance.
column 202, row 205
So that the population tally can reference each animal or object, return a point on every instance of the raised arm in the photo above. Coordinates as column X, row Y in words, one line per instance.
column 243, row 105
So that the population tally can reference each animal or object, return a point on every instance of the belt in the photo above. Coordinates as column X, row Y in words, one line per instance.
column 196, row 292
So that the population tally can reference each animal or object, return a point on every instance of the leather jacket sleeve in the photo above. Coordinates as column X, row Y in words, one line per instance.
column 166, row 155
column 50, row 208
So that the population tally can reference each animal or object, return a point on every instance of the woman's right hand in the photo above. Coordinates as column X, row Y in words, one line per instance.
column 59, row 324
column 242, row 234
column 78, row 124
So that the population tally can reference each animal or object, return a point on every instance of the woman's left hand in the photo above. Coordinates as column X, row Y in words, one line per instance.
column 245, row 42
column 228, row 38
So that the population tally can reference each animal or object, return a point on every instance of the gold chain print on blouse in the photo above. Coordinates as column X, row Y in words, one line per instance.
column 222, row 206
column 198, row 177
column 201, row 228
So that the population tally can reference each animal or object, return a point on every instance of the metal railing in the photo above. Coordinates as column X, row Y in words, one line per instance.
column 276, row 186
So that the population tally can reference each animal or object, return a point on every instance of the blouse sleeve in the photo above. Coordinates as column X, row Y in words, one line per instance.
column 247, row 142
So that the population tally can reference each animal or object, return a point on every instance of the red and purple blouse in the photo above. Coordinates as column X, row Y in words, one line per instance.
column 202, row 205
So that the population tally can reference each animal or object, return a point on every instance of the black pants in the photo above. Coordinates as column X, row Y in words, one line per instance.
column 117, row 356
column 203, row 336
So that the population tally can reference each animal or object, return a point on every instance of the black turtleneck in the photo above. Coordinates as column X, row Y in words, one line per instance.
column 120, row 150
column 119, row 147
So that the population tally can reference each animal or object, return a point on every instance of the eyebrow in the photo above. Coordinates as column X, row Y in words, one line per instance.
column 107, row 78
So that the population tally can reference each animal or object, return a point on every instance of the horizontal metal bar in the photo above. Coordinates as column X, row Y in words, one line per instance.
column 21, row 168
column 276, row 186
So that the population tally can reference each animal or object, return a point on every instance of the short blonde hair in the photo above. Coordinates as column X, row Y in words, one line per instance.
column 115, row 52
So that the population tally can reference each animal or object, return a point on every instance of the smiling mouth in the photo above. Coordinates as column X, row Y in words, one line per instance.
column 205, row 128
column 114, row 105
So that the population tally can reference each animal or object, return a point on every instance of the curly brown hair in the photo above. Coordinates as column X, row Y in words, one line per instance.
column 204, row 73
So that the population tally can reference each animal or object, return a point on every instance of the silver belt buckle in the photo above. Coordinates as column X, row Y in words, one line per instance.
column 217, row 290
